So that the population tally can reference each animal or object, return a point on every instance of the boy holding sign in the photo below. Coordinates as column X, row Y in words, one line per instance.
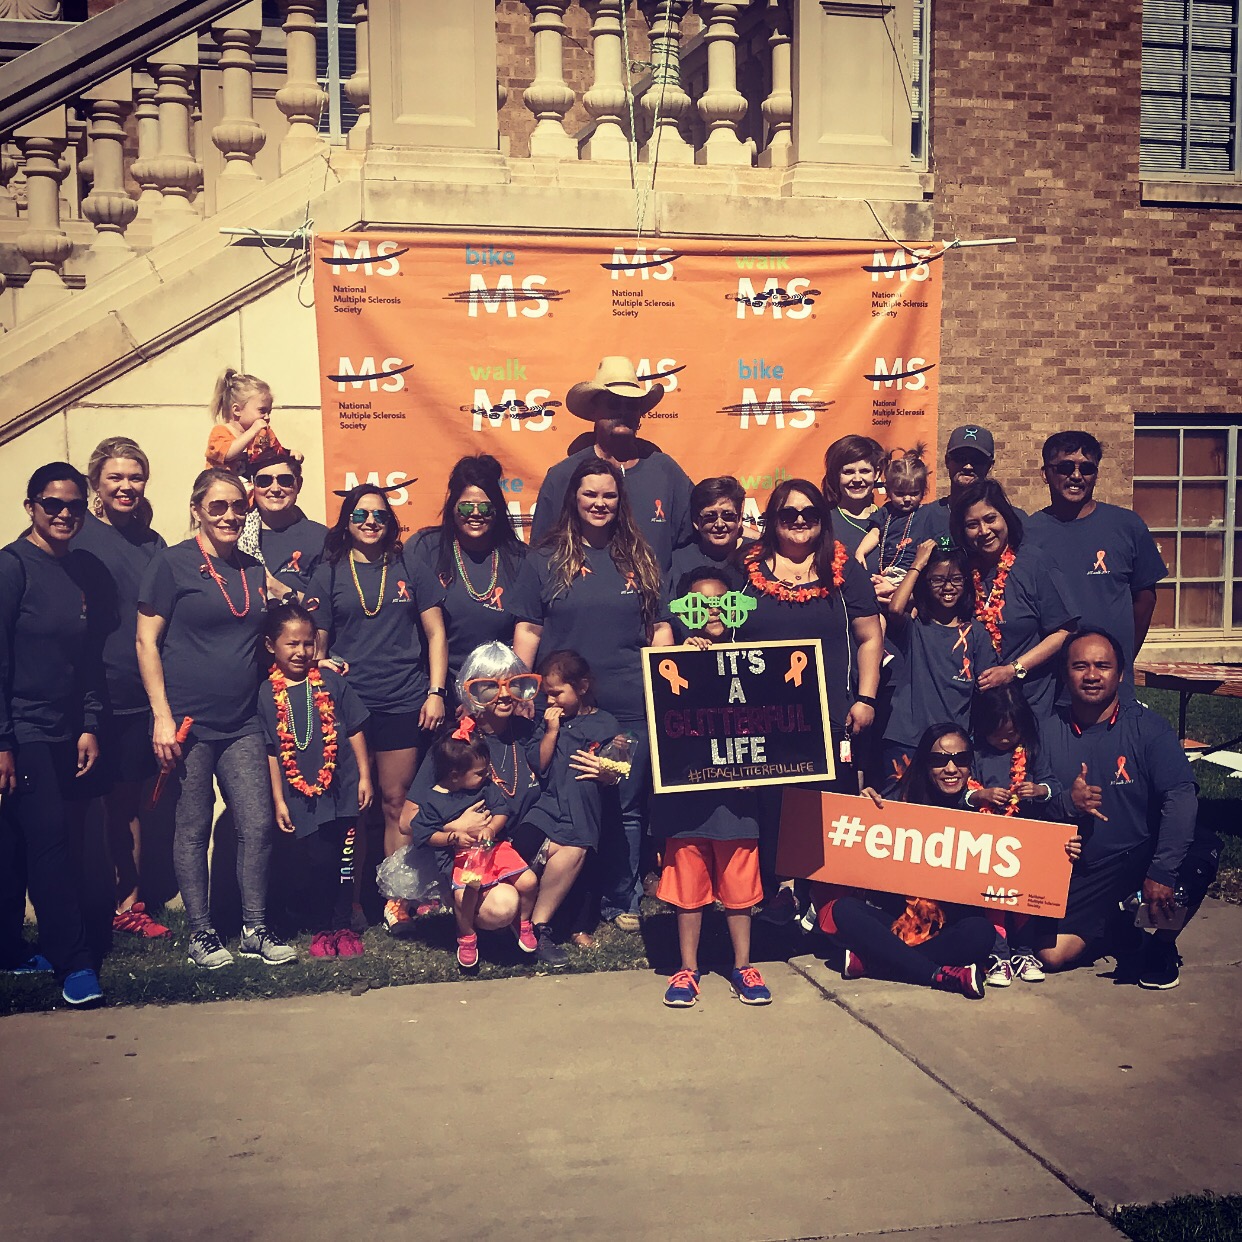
column 712, row 849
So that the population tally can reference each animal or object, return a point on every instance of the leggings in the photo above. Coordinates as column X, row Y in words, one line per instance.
column 240, row 765
column 321, row 875
column 36, row 851
column 864, row 930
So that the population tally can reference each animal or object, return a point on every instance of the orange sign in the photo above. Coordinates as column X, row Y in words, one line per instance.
column 923, row 851
column 433, row 346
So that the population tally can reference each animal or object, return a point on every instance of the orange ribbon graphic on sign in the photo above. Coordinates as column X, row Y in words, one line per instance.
column 797, row 664
column 672, row 674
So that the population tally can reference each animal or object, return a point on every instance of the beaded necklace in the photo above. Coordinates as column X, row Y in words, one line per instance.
column 509, row 793
column 485, row 593
column 379, row 603
column 859, row 526
column 905, row 536
column 286, row 732
column 219, row 581
column 310, row 718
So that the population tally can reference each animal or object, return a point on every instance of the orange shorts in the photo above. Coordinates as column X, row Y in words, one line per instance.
column 698, row 871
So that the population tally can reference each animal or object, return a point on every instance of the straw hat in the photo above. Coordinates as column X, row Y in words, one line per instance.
column 615, row 377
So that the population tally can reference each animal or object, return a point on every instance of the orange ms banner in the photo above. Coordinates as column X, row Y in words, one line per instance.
column 437, row 345
column 924, row 851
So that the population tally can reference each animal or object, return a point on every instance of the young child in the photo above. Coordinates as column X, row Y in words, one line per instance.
column 320, row 774
column 242, row 408
column 932, row 625
column 1012, row 777
column 462, row 818
column 711, row 852
column 896, row 529
column 570, row 811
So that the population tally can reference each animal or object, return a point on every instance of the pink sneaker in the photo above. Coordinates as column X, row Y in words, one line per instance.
column 853, row 968
column 467, row 952
column 348, row 943
column 428, row 907
column 524, row 930
column 323, row 944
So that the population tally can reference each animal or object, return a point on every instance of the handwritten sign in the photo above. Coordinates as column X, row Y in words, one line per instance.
column 922, row 851
column 737, row 714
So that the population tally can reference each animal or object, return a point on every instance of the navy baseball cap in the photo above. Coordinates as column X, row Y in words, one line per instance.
column 972, row 437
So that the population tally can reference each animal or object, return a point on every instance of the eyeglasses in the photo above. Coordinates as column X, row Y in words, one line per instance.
column 521, row 686
column 710, row 517
column 266, row 480
column 53, row 506
column 937, row 584
column 942, row 758
column 468, row 508
column 1067, row 468
column 787, row 515
column 360, row 517
column 218, row 508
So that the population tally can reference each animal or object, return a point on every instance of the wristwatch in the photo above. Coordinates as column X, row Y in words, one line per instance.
column 1019, row 670
column 438, row 690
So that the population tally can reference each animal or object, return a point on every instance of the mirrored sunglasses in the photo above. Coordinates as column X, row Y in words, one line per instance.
column 360, row 517
column 468, row 508
column 53, row 506
column 521, row 686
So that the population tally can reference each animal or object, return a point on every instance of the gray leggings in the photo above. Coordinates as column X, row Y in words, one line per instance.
column 240, row 765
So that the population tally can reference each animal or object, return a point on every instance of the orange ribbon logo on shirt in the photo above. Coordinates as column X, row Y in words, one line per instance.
column 1122, row 777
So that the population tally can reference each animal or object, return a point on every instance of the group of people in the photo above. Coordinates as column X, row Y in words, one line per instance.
column 481, row 698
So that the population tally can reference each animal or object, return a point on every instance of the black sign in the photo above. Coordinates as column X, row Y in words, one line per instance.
column 737, row 714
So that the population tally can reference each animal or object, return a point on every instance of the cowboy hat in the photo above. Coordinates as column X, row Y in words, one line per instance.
column 615, row 377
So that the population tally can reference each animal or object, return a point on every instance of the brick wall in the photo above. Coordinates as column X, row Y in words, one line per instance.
column 1105, row 307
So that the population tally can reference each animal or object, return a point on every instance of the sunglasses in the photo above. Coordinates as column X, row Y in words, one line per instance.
column 468, row 508
column 521, row 686
column 942, row 758
column 53, row 506
column 218, row 508
column 938, row 584
column 1067, row 468
column 379, row 516
column 266, row 480
column 710, row 517
column 787, row 515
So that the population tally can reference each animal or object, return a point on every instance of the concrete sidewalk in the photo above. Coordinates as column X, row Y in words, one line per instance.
column 580, row 1108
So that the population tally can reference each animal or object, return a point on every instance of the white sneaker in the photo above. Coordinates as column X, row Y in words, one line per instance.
column 259, row 942
column 207, row 950
column 1000, row 972
column 1028, row 968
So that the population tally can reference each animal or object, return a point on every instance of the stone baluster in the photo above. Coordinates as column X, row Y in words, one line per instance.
column 108, row 207
column 607, row 99
column 238, row 136
column 722, row 105
column 44, row 244
column 301, row 99
column 778, row 106
column 665, row 104
column 147, row 123
column 174, row 169
column 8, row 167
column 358, row 85
column 549, row 96
column 30, row 10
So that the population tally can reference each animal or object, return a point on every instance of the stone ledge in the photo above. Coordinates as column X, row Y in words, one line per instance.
column 1192, row 192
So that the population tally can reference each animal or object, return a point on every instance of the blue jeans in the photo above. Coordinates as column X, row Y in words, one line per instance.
column 621, row 838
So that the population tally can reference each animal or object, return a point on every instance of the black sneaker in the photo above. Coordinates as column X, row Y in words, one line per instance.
column 548, row 951
column 1159, row 968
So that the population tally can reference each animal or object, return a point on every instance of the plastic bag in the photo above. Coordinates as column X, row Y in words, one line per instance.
column 410, row 874
column 475, row 865
column 618, row 754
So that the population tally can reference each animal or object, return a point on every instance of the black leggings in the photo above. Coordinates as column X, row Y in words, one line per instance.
column 864, row 930
column 321, row 877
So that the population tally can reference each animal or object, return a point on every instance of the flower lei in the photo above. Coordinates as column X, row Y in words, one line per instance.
column 753, row 564
column 288, row 749
column 1017, row 778
column 991, row 610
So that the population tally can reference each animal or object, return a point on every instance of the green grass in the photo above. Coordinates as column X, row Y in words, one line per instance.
column 1189, row 1218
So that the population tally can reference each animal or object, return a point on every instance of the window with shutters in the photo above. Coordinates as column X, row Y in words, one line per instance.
column 918, row 87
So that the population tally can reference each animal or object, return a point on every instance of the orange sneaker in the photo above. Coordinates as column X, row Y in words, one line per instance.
column 397, row 919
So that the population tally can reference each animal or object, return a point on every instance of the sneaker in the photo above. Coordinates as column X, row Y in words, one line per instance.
column 35, row 964
column 397, row 919
column 781, row 910
column 348, row 943
column 1160, row 962
column 853, row 967
column 582, row 940
column 82, row 988
column 683, row 989
column 323, row 944
column 547, row 950
column 626, row 922
column 138, row 922
column 963, row 979
column 207, row 950
column 434, row 906
column 259, row 942
column 1027, row 967
column 1000, row 972
column 467, row 952
column 748, row 986
column 810, row 918
column 524, row 930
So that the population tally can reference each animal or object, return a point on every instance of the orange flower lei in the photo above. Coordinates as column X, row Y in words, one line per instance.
column 752, row 562
column 1017, row 778
column 288, row 750
column 989, row 611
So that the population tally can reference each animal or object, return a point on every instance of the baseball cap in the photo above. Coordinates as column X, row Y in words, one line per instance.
column 972, row 437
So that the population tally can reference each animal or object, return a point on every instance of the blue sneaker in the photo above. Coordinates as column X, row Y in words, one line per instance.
column 683, row 989
column 82, row 988
column 748, row 986
column 35, row 964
